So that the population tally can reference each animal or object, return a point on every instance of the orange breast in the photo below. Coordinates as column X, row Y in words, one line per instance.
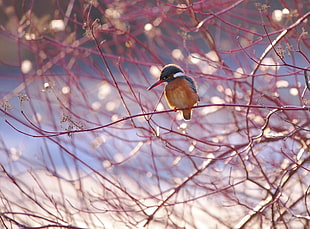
column 180, row 94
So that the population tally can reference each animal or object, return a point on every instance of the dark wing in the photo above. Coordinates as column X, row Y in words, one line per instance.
column 191, row 82
column 193, row 86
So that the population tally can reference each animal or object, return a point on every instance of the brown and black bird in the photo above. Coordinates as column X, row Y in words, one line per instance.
column 180, row 90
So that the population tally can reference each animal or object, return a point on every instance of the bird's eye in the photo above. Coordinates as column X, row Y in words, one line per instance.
column 163, row 77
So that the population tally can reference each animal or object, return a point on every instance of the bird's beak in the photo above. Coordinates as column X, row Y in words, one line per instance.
column 155, row 84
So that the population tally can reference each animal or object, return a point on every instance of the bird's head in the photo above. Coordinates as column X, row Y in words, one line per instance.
column 168, row 73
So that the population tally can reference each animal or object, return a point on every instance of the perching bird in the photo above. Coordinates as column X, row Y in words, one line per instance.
column 180, row 90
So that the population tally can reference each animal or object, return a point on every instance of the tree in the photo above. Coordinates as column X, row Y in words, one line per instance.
column 85, row 145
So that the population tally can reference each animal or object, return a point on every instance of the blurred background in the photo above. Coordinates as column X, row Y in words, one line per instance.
column 83, row 144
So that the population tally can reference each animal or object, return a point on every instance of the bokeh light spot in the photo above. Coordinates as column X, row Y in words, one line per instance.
column 239, row 72
column 57, row 25
column 15, row 154
column 277, row 15
column 154, row 70
column 26, row 66
column 282, row 83
column 96, row 105
column 294, row 91
column 148, row 27
column 65, row 90
column 177, row 54
column 269, row 65
column 110, row 106
column 194, row 58
column 103, row 91
column 160, row 107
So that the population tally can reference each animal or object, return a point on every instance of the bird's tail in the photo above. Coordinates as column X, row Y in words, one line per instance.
column 187, row 114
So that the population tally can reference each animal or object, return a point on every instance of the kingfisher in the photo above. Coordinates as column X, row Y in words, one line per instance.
column 180, row 90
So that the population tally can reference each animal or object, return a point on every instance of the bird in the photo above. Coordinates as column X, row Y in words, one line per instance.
column 180, row 90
